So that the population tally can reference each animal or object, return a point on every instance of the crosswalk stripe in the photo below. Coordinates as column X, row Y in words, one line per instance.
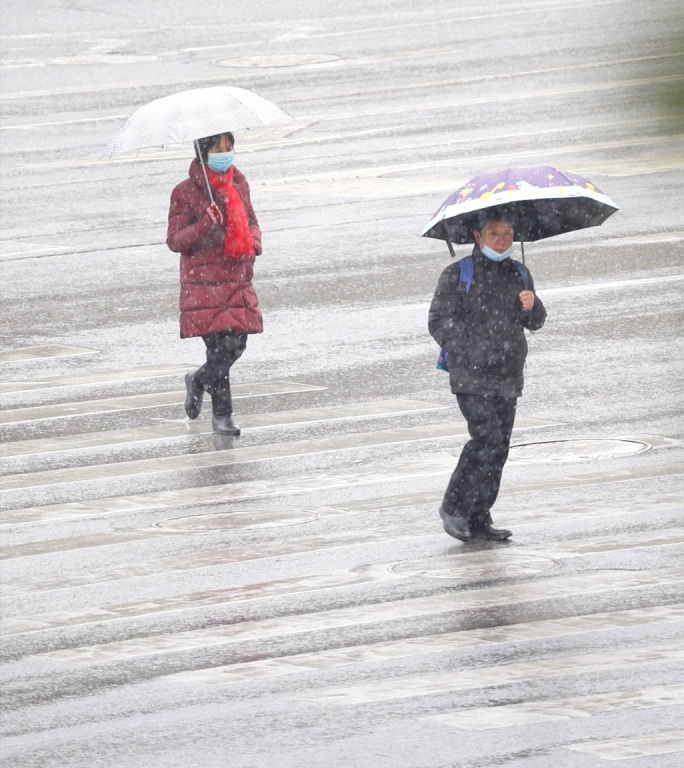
column 553, row 710
column 542, row 590
column 138, row 373
column 433, row 567
column 213, row 458
column 139, row 402
column 285, row 486
column 24, row 354
column 413, row 647
column 184, row 429
column 501, row 674
column 664, row 743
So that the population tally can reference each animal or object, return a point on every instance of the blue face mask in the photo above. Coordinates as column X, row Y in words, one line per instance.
column 220, row 162
column 490, row 253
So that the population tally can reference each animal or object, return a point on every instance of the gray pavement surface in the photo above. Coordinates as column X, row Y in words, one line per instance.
column 289, row 598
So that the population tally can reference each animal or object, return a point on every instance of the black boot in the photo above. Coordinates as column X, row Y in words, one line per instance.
column 224, row 425
column 455, row 525
column 193, row 398
column 485, row 530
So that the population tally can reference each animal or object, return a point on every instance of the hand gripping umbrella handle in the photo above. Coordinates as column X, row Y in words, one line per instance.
column 204, row 171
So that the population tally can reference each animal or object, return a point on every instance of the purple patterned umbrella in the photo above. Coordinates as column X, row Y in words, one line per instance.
column 541, row 201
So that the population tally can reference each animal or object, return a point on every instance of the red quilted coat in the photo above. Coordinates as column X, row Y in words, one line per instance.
column 216, row 291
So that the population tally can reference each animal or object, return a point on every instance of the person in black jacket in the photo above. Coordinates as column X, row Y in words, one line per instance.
column 481, row 327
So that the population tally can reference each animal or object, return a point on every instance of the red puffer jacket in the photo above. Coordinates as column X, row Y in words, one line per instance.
column 216, row 291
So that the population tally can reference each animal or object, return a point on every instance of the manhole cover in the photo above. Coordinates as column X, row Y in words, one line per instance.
column 279, row 60
column 493, row 564
column 226, row 521
column 574, row 450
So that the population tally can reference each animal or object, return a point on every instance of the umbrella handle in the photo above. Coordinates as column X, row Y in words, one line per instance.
column 204, row 171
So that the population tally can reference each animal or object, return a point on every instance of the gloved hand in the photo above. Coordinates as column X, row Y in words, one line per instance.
column 214, row 213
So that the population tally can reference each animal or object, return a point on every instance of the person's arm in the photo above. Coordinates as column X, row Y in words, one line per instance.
column 535, row 314
column 184, row 233
column 445, row 320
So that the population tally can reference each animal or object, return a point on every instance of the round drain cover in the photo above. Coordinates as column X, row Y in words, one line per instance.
column 226, row 521
column 574, row 450
column 279, row 60
column 492, row 564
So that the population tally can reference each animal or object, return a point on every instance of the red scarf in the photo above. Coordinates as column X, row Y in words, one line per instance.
column 238, row 237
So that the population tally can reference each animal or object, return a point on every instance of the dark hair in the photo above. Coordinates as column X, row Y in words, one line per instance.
column 206, row 143
column 495, row 213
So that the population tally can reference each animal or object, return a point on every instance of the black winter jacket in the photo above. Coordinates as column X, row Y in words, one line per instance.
column 483, row 330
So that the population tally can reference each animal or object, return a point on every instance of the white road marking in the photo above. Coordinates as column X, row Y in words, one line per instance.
column 255, row 453
column 569, row 289
column 595, row 583
column 139, row 373
column 502, row 674
column 22, row 354
column 235, row 519
column 664, row 743
column 183, row 429
column 553, row 710
column 469, row 568
column 11, row 250
column 139, row 402
column 284, row 486
column 413, row 647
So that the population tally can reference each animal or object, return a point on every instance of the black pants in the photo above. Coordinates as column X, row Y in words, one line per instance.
column 474, row 485
column 223, row 349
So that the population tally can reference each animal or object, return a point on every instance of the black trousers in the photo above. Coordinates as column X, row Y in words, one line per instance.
column 474, row 484
column 223, row 349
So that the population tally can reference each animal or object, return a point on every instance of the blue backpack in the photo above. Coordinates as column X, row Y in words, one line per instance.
column 467, row 268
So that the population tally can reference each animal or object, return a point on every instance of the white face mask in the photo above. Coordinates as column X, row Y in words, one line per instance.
column 490, row 253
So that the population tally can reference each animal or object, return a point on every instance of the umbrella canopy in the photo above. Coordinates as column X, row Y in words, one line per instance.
column 194, row 114
column 541, row 201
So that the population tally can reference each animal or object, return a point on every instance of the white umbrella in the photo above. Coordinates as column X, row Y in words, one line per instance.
column 194, row 114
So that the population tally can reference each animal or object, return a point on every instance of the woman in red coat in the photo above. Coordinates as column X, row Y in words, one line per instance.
column 217, row 243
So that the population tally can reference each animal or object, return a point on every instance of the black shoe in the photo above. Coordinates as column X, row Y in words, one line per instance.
column 490, row 533
column 455, row 525
column 193, row 399
column 224, row 425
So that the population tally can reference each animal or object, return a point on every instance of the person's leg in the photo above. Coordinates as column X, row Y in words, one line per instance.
column 505, row 412
column 482, row 526
column 226, row 349
column 475, row 481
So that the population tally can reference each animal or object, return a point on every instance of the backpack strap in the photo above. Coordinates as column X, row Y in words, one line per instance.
column 467, row 266
column 523, row 274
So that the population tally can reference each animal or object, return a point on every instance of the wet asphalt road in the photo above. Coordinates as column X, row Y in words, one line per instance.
column 288, row 598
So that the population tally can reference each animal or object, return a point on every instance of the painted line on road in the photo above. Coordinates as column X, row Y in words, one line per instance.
column 502, row 674
column 24, row 354
column 430, row 567
column 619, row 583
column 139, row 402
column 118, row 376
column 284, row 486
column 569, row 289
column 447, row 567
column 14, row 250
column 182, row 430
column 555, row 710
column 162, row 465
column 468, row 568
column 245, row 520
column 538, row 8
column 448, row 642
column 664, row 743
